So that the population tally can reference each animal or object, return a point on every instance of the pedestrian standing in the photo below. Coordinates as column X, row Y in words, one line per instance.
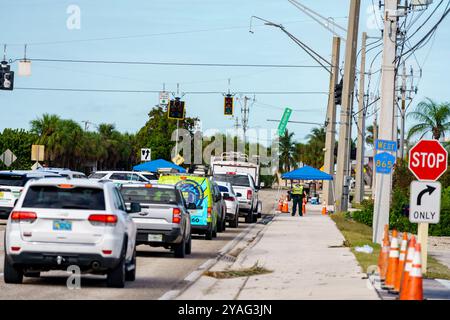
column 297, row 194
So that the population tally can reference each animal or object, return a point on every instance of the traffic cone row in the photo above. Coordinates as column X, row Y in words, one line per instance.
column 304, row 206
column 400, row 267
column 285, row 206
column 324, row 209
column 280, row 204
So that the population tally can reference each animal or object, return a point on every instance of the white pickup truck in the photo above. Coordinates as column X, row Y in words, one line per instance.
column 235, row 168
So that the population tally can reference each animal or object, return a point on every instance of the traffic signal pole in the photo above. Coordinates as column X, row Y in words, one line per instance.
column 387, row 116
column 359, row 179
column 343, row 160
column 331, row 122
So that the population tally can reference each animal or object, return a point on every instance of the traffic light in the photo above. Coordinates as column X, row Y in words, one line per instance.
column 338, row 93
column 176, row 109
column 228, row 105
column 6, row 77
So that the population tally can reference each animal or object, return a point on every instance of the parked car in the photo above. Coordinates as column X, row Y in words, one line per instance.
column 64, row 172
column 164, row 220
column 60, row 222
column 119, row 177
column 198, row 193
column 222, row 207
column 249, row 205
column 12, row 184
column 231, row 202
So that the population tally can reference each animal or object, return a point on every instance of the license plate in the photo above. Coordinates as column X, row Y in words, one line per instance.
column 62, row 225
column 155, row 237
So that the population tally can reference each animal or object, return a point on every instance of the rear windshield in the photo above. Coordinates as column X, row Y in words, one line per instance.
column 223, row 189
column 53, row 197
column 97, row 175
column 150, row 195
column 12, row 180
column 235, row 180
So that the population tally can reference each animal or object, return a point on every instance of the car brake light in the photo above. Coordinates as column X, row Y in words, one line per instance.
column 65, row 186
column 148, row 186
column 107, row 251
column 209, row 212
column 229, row 199
column 183, row 178
column 103, row 219
column 23, row 216
column 232, row 173
column 15, row 248
column 176, row 215
column 249, row 194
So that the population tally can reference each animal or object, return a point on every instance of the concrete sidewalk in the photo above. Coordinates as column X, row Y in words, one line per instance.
column 307, row 259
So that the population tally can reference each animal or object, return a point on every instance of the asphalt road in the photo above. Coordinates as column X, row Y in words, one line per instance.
column 157, row 270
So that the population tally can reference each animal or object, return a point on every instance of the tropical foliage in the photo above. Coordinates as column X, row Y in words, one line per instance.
column 431, row 117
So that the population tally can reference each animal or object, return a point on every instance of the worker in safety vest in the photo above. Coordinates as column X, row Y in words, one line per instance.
column 297, row 194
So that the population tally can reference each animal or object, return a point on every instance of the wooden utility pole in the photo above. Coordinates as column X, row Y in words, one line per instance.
column 331, row 122
column 343, row 161
column 359, row 183
column 387, row 117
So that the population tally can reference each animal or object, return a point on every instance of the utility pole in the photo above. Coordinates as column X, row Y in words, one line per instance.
column 343, row 161
column 359, row 183
column 387, row 117
column 245, row 112
column 375, row 138
column 331, row 122
column 403, row 114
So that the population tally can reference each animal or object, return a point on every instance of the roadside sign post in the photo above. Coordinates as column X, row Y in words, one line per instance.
column 427, row 161
column 37, row 152
column 146, row 154
column 284, row 121
column 164, row 98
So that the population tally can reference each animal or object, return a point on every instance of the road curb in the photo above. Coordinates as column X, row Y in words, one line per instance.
column 194, row 276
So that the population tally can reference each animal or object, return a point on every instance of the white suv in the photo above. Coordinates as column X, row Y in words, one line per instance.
column 120, row 177
column 59, row 222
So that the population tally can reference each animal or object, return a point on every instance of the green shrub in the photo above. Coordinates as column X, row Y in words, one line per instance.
column 366, row 214
column 443, row 227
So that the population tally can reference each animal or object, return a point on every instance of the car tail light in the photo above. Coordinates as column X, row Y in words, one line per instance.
column 15, row 248
column 65, row 186
column 209, row 212
column 231, row 173
column 176, row 215
column 249, row 194
column 229, row 199
column 148, row 186
column 23, row 216
column 107, row 251
column 103, row 219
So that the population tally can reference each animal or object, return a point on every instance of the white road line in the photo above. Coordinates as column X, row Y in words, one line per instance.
column 169, row 295
column 207, row 264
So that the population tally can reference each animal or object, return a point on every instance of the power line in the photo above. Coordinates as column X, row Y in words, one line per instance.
column 175, row 63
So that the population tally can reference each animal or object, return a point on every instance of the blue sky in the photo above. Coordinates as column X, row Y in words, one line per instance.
column 225, row 38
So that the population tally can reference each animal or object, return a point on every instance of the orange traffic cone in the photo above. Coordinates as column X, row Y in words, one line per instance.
column 401, row 263
column 285, row 208
column 304, row 206
column 324, row 209
column 408, row 266
column 384, row 254
column 280, row 204
column 414, row 287
column 394, row 254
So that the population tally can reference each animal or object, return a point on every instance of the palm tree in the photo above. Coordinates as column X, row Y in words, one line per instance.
column 432, row 118
column 369, row 135
column 287, row 151
column 46, row 129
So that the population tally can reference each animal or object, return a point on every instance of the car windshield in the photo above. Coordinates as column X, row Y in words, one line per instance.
column 53, row 197
column 149, row 195
column 235, row 180
column 97, row 175
column 12, row 180
column 223, row 189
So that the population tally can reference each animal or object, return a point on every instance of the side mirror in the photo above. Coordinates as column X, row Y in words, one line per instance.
column 191, row 206
column 135, row 207
column 239, row 194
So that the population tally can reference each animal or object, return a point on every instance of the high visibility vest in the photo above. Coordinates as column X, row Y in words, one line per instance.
column 297, row 189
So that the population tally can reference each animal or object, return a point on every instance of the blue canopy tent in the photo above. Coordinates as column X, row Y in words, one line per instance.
column 153, row 166
column 307, row 173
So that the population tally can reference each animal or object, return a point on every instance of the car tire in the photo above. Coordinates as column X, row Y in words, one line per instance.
column 11, row 274
column 219, row 225
column 254, row 218
column 209, row 234
column 189, row 245
column 116, row 276
column 224, row 224
column 131, row 274
column 235, row 221
column 180, row 249
column 214, row 234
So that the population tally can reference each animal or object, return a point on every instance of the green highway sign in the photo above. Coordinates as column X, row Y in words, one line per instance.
column 284, row 121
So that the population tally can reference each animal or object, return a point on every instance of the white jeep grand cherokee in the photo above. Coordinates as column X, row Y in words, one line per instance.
column 60, row 222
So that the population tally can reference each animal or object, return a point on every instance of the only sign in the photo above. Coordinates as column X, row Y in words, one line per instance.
column 428, row 160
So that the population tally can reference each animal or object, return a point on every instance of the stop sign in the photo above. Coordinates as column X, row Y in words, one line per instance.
column 428, row 160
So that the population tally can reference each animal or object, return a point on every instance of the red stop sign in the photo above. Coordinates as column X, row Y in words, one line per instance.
column 428, row 160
